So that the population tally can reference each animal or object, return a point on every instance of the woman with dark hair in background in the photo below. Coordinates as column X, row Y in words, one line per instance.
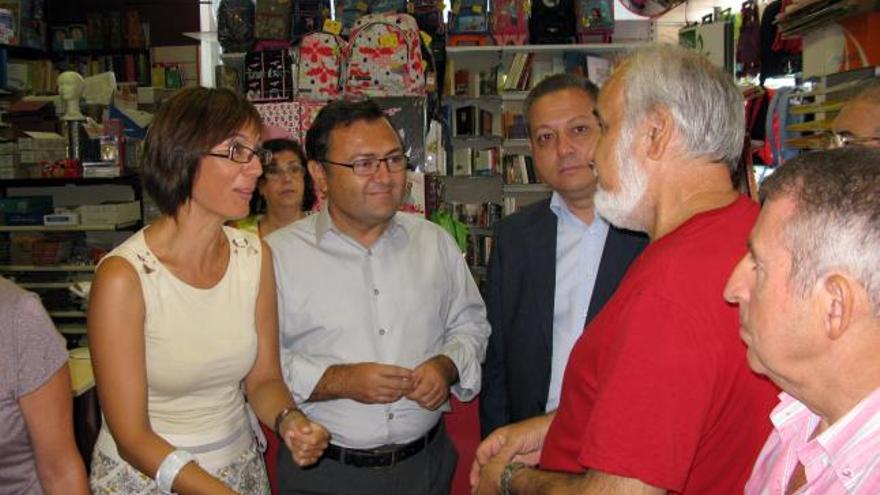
column 285, row 189
column 182, row 318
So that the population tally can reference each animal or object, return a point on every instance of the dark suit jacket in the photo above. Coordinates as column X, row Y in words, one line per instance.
column 521, row 287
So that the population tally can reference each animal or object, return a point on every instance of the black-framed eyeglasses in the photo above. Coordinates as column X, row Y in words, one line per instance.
column 242, row 153
column 369, row 166
column 840, row 140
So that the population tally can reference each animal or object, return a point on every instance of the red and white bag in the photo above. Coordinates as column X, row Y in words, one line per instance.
column 510, row 22
column 385, row 57
column 320, row 66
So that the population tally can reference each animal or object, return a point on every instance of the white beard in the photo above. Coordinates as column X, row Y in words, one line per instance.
column 619, row 207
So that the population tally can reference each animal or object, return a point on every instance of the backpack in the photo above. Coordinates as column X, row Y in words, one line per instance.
column 385, row 57
column 552, row 21
column 235, row 25
column 428, row 15
column 349, row 11
column 469, row 16
column 320, row 66
column 594, row 17
column 308, row 16
column 510, row 22
column 272, row 20
column 267, row 76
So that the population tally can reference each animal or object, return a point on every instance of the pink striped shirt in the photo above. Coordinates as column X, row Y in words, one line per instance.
column 844, row 459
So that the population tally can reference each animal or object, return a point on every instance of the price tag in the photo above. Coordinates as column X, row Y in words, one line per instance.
column 332, row 27
column 478, row 9
column 362, row 6
column 426, row 38
column 388, row 40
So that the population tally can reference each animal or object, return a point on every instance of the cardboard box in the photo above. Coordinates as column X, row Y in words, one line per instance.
column 109, row 213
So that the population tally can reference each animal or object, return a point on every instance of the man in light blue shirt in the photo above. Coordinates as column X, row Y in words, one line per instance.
column 379, row 317
column 553, row 263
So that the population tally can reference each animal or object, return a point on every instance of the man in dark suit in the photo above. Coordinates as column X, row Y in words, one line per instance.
column 554, row 264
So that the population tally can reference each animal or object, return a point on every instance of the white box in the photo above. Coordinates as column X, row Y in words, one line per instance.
column 109, row 213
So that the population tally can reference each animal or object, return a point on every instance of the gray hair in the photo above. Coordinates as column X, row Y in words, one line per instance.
column 554, row 83
column 836, row 225
column 706, row 105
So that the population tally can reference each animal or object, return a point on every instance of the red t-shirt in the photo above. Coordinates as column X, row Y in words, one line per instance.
column 658, row 388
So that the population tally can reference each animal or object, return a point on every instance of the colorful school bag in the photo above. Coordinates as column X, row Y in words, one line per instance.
column 594, row 18
column 321, row 61
column 272, row 19
column 385, row 57
column 308, row 16
column 510, row 22
column 469, row 17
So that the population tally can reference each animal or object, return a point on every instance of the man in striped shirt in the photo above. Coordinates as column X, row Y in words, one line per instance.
column 809, row 301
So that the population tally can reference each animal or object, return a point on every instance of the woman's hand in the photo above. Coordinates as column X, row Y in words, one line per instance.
column 305, row 438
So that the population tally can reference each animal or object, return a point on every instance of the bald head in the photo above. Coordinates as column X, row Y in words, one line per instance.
column 860, row 116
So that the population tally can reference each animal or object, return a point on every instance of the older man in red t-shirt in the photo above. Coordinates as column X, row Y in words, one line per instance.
column 657, row 395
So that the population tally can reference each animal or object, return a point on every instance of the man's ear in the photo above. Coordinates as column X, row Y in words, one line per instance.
column 319, row 175
column 659, row 125
column 838, row 301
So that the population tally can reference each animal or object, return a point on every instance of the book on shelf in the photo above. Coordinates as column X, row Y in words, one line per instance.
column 462, row 161
column 485, row 162
column 519, row 169
column 465, row 123
column 514, row 125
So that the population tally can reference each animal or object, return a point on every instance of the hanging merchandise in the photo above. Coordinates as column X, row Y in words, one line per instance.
column 510, row 24
column 469, row 17
column 713, row 38
column 748, row 55
column 267, row 76
column 308, row 16
column 594, row 18
column 552, row 22
column 385, row 57
column 349, row 11
column 235, row 25
column 388, row 6
column 428, row 15
column 272, row 19
column 778, row 56
column 320, row 64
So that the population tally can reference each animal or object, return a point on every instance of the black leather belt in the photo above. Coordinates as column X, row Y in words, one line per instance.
column 382, row 456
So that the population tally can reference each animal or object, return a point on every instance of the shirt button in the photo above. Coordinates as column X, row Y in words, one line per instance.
column 390, row 416
column 375, row 292
column 369, row 252
column 381, row 331
column 847, row 472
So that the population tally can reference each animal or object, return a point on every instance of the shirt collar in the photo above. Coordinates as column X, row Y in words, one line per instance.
column 398, row 227
column 564, row 213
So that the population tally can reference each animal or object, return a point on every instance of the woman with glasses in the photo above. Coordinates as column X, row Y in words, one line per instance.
column 285, row 189
column 182, row 319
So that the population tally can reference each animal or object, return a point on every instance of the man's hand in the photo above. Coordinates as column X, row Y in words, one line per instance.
column 489, row 481
column 305, row 438
column 521, row 442
column 431, row 382
column 369, row 383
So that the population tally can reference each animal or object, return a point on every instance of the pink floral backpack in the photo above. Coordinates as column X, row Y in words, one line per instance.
column 320, row 66
column 385, row 57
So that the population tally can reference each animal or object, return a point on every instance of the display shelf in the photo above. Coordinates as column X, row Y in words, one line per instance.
column 526, row 188
column 478, row 230
column 472, row 100
column 67, row 314
column 127, row 176
column 68, row 228
column 47, row 268
column 598, row 48
column 488, row 141
column 71, row 328
column 478, row 271
column 514, row 95
column 516, row 143
column 44, row 285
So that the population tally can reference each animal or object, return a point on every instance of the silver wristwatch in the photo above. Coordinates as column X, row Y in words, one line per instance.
column 507, row 476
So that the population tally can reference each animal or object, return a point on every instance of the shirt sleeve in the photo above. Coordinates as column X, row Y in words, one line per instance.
column 41, row 350
column 302, row 373
column 654, row 396
column 467, row 330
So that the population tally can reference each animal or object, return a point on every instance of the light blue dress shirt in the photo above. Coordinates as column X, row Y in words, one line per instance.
column 578, row 252
column 406, row 299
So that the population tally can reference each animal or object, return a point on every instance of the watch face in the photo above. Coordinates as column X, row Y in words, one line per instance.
column 551, row 4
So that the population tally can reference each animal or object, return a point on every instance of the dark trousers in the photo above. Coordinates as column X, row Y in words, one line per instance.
column 427, row 473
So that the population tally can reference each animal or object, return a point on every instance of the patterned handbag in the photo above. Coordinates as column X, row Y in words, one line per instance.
column 320, row 64
column 510, row 23
column 385, row 57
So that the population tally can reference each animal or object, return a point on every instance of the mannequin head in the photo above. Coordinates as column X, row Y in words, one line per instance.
column 70, row 87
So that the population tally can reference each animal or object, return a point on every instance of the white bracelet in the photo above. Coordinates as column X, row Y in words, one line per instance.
column 171, row 465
